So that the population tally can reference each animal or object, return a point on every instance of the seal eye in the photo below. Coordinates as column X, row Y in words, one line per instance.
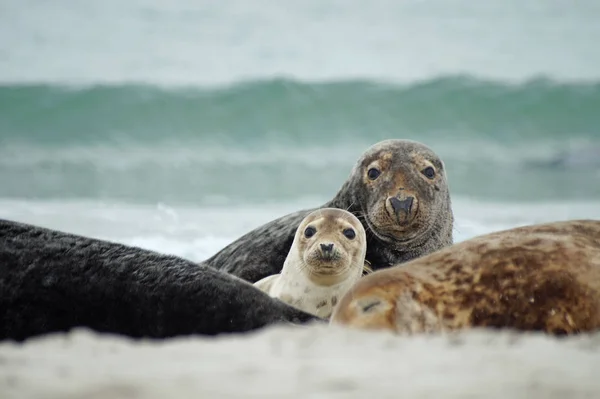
column 309, row 232
column 429, row 172
column 350, row 234
column 373, row 173
column 368, row 304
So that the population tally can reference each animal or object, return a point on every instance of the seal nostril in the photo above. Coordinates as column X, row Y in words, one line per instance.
column 327, row 247
column 404, row 205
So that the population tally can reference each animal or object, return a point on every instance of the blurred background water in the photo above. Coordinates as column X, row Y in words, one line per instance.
column 179, row 125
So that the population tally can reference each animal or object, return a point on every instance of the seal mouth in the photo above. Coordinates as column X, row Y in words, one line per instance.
column 328, row 258
column 325, row 263
column 329, row 269
column 388, row 237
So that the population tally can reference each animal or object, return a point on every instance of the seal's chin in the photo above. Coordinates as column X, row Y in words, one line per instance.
column 328, row 266
column 328, row 257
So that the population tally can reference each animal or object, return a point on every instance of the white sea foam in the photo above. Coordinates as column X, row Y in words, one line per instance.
column 198, row 232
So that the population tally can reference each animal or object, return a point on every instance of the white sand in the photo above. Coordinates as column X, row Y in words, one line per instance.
column 303, row 362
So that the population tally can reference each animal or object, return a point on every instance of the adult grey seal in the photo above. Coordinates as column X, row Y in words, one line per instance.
column 326, row 258
column 52, row 281
column 543, row 277
column 397, row 189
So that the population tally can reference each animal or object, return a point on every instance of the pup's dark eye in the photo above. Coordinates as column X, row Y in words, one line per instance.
column 429, row 172
column 350, row 234
column 373, row 173
column 309, row 232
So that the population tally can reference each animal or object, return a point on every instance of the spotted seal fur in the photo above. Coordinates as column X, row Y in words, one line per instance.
column 543, row 277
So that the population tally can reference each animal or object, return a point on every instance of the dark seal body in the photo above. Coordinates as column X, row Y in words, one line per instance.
column 542, row 277
column 397, row 189
column 52, row 281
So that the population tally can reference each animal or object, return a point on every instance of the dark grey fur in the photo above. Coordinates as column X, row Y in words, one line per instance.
column 262, row 251
column 52, row 281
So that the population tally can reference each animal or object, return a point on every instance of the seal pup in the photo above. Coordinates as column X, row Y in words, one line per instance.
column 543, row 277
column 326, row 258
column 397, row 189
column 52, row 281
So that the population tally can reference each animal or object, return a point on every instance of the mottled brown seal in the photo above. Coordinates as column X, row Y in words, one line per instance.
column 326, row 258
column 397, row 189
column 542, row 277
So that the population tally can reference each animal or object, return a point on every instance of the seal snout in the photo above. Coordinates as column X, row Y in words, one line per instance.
column 401, row 207
column 327, row 251
column 327, row 247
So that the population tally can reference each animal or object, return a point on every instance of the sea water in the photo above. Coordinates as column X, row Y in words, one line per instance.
column 180, row 125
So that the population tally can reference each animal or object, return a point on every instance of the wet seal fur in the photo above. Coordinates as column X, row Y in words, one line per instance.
column 397, row 189
column 52, row 281
column 326, row 258
column 543, row 277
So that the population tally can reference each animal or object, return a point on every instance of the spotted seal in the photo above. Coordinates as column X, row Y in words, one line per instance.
column 543, row 277
column 51, row 281
column 326, row 258
column 397, row 189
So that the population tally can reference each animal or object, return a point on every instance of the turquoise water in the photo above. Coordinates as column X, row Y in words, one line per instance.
column 280, row 139
column 155, row 108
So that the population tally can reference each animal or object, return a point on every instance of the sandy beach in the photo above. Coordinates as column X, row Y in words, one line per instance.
column 303, row 362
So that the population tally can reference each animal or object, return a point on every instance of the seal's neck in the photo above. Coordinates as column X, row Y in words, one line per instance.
column 291, row 270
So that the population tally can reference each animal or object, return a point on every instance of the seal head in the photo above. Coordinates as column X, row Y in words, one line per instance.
column 399, row 191
column 326, row 258
column 329, row 246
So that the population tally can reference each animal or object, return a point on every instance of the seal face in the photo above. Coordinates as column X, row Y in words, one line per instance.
column 542, row 277
column 326, row 258
column 397, row 189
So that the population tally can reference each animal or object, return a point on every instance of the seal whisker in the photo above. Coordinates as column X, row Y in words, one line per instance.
column 367, row 268
column 350, row 206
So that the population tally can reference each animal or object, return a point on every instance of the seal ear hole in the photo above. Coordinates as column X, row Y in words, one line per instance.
column 373, row 173
column 429, row 172
column 309, row 232
column 349, row 233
